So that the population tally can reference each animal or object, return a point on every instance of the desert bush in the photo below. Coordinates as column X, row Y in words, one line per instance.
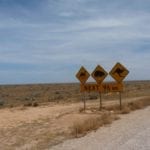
column 125, row 110
column 11, row 106
column 57, row 92
column 55, row 98
column 81, row 109
column 29, row 98
column 113, row 108
column 2, row 102
column 59, row 97
column 28, row 104
column 135, row 105
column 106, row 118
column 81, row 127
column 146, row 101
column 130, row 106
column 139, row 104
column 93, row 97
column 35, row 94
column 35, row 104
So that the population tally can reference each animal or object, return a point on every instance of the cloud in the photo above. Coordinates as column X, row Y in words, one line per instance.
column 49, row 38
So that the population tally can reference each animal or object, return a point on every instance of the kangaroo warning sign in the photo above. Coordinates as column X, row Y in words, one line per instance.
column 119, row 72
column 99, row 74
column 82, row 75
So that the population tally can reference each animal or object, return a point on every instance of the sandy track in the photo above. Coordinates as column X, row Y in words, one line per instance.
column 132, row 132
column 17, row 116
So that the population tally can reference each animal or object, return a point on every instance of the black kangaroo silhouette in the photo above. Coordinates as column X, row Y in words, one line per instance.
column 119, row 72
column 99, row 73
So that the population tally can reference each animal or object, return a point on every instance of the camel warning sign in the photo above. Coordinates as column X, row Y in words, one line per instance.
column 99, row 74
column 82, row 75
column 119, row 72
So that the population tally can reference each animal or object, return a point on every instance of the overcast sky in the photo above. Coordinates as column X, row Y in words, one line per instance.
column 44, row 41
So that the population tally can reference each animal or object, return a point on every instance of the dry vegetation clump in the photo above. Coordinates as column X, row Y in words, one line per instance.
column 130, row 106
column 29, row 104
column 81, row 109
column 114, row 108
column 35, row 104
column 92, row 96
column 125, row 110
column 81, row 127
column 2, row 103
column 135, row 105
column 146, row 101
column 139, row 104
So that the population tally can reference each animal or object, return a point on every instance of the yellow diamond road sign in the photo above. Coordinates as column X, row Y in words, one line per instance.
column 99, row 74
column 119, row 72
column 82, row 75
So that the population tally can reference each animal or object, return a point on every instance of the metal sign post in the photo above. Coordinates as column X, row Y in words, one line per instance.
column 120, row 98
column 84, row 101
column 100, row 101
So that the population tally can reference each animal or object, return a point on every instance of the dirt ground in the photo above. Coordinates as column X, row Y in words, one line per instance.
column 36, row 128
column 41, row 127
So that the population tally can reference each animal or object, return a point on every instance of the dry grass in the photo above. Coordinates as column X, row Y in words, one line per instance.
column 139, row 104
column 61, row 116
column 81, row 127
column 93, row 122
column 130, row 106
column 125, row 110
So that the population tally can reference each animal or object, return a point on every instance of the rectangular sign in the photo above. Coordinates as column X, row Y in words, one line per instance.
column 103, row 88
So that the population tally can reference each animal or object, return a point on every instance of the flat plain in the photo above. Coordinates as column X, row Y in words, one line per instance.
column 40, row 116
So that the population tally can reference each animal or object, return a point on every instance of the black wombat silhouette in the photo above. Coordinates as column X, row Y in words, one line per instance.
column 99, row 73
column 119, row 72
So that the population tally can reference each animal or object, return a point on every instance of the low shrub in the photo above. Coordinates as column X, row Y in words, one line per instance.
column 28, row 104
column 35, row 104
column 93, row 97
column 125, row 110
column 2, row 102
column 81, row 127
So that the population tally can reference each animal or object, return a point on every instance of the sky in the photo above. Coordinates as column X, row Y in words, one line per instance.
column 47, row 41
